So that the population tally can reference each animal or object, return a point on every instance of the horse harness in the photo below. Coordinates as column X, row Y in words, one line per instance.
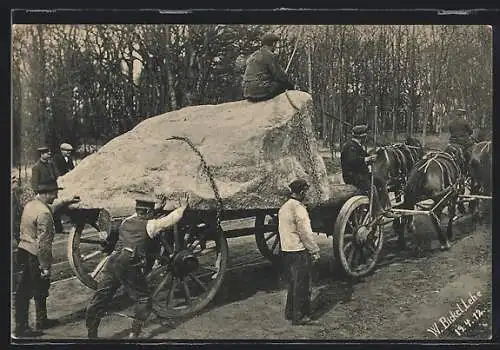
column 447, row 164
column 405, row 156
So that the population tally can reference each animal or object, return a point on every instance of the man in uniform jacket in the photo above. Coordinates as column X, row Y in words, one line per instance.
column 64, row 160
column 126, row 265
column 300, row 251
column 354, row 161
column 264, row 78
column 34, row 258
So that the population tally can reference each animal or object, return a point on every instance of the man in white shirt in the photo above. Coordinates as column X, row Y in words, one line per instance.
column 300, row 251
column 125, row 265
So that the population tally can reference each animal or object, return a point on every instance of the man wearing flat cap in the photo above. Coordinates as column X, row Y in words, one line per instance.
column 126, row 264
column 354, row 162
column 34, row 257
column 299, row 251
column 461, row 132
column 264, row 78
column 44, row 171
column 64, row 161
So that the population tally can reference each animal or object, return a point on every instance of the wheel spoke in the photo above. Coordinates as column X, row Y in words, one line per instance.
column 187, row 294
column 171, row 291
column 276, row 241
column 198, row 282
column 273, row 234
column 99, row 267
column 91, row 255
column 352, row 255
column 91, row 241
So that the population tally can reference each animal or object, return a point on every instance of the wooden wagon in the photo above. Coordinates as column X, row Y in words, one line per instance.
column 182, row 286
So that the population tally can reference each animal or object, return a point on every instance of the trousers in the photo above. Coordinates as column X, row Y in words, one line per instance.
column 298, row 276
column 122, row 268
column 29, row 285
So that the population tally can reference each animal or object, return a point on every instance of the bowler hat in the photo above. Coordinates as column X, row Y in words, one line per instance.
column 66, row 147
column 298, row 185
column 144, row 203
column 269, row 38
column 43, row 149
column 48, row 187
column 360, row 130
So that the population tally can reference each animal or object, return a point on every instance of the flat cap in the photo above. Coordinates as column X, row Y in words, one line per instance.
column 360, row 130
column 269, row 38
column 145, row 203
column 48, row 187
column 66, row 147
column 460, row 111
column 43, row 149
column 298, row 185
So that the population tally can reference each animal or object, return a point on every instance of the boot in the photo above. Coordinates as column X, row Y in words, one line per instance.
column 92, row 333
column 42, row 322
column 136, row 329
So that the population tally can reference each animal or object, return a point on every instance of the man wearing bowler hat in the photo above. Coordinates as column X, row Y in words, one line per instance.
column 64, row 160
column 299, row 251
column 264, row 78
column 126, row 264
column 34, row 257
column 354, row 162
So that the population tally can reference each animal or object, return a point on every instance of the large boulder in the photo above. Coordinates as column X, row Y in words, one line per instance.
column 253, row 150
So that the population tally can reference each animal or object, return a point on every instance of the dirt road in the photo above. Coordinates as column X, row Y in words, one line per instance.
column 411, row 295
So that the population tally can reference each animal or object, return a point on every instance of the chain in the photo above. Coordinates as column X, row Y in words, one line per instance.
column 308, row 147
column 207, row 170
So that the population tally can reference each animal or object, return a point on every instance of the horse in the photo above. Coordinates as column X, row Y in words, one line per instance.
column 436, row 176
column 481, row 167
column 394, row 162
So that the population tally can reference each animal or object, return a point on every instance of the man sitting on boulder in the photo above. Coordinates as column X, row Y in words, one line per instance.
column 264, row 78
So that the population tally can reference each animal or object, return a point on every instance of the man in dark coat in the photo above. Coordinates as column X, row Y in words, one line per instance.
column 461, row 133
column 44, row 171
column 264, row 78
column 354, row 162
column 64, row 161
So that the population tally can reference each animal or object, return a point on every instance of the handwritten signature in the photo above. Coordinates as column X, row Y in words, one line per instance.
column 453, row 317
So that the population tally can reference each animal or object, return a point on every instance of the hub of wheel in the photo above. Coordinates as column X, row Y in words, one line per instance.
column 362, row 234
column 184, row 263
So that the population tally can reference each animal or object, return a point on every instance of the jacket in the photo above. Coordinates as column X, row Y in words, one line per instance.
column 263, row 77
column 43, row 173
column 61, row 165
column 37, row 231
column 352, row 160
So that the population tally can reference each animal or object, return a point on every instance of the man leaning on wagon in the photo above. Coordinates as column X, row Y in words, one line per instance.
column 264, row 78
column 126, row 264
column 34, row 257
column 300, row 251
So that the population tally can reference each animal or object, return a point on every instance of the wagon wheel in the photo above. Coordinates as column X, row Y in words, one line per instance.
column 85, row 255
column 268, row 240
column 179, row 289
column 356, row 245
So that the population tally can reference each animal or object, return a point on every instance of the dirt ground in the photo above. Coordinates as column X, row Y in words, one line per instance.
column 409, row 296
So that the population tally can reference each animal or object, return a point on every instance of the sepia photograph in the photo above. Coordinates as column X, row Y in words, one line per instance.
column 266, row 182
